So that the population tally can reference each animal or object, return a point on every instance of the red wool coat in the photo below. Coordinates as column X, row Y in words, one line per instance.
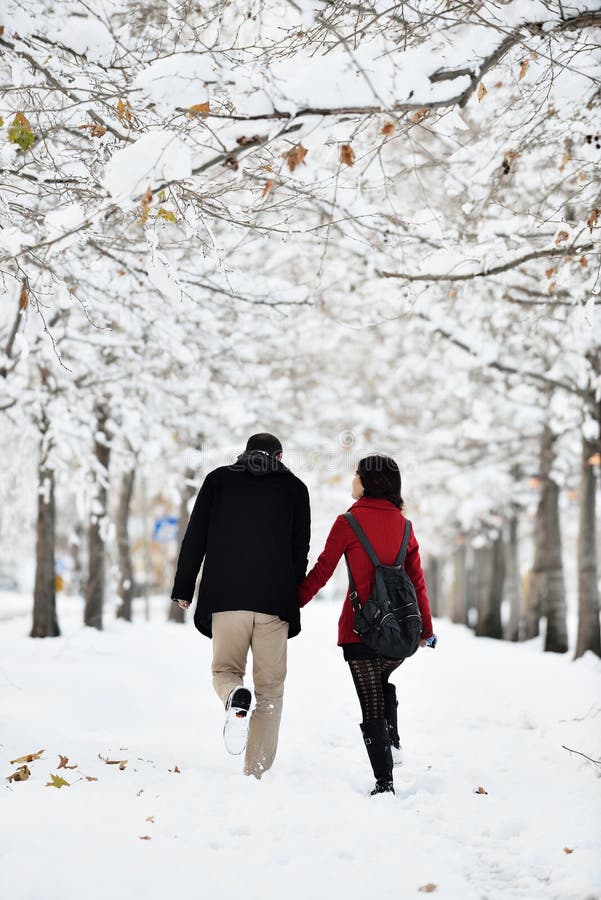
column 384, row 526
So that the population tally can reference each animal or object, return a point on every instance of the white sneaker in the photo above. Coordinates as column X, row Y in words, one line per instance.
column 397, row 757
column 235, row 729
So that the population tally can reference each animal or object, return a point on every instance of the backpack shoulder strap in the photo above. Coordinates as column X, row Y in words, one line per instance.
column 362, row 538
column 403, row 550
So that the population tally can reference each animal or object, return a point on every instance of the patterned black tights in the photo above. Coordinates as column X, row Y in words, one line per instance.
column 370, row 676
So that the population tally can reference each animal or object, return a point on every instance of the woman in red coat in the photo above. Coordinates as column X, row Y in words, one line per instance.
column 377, row 492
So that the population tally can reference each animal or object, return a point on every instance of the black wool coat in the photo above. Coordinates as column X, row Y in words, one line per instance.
column 251, row 525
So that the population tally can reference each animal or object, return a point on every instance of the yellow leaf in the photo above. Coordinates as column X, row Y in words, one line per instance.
column 347, row 155
column 22, row 774
column 482, row 92
column 166, row 214
column 57, row 782
column 523, row 69
column 295, row 157
column 20, row 132
column 199, row 109
column 124, row 112
column 29, row 757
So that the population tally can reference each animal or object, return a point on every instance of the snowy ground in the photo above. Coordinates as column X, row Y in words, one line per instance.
column 472, row 713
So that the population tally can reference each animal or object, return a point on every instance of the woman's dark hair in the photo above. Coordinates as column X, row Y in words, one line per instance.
column 381, row 478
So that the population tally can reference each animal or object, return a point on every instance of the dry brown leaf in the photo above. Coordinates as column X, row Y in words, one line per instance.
column 387, row 129
column 29, row 757
column 113, row 762
column 145, row 837
column 347, row 155
column 124, row 112
column 561, row 237
column 199, row 109
column 551, row 287
column 140, row 792
column 177, row 770
column 593, row 219
column 24, row 303
column 583, row 262
column 97, row 130
column 427, row 888
column 564, row 161
column 480, row 790
column 90, row 778
column 295, row 156
column 419, row 115
column 523, row 69
column 150, row 819
column 568, row 849
column 482, row 92
column 550, row 272
column 146, row 198
column 63, row 762
column 22, row 774
column 268, row 186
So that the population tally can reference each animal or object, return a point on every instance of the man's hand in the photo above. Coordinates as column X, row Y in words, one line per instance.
column 184, row 604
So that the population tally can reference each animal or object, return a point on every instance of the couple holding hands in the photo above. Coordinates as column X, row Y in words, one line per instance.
column 250, row 526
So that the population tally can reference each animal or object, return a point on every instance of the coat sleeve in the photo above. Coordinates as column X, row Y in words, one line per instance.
column 194, row 544
column 328, row 560
column 301, row 534
column 413, row 568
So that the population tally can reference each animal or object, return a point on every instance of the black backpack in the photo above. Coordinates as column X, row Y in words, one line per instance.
column 389, row 622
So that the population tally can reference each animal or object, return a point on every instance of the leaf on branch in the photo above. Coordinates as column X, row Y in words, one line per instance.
column 167, row 214
column 95, row 129
column 295, row 157
column 145, row 202
column 418, row 115
column 22, row 774
column 568, row 850
column 523, row 69
column 482, row 92
column 427, row 888
column 268, row 186
column 64, row 761
column 593, row 219
column 124, row 112
column 20, row 132
column 199, row 109
column 564, row 161
column 347, row 155
column 551, row 287
column 480, row 790
column 57, row 782
column 253, row 139
column 550, row 272
column 561, row 237
column 387, row 129
column 29, row 757
column 583, row 262
column 113, row 762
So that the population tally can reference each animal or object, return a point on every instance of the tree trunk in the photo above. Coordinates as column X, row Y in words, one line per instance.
column 489, row 577
column 126, row 570
column 589, row 637
column 94, row 593
column 45, row 622
column 433, row 583
column 513, row 581
column 176, row 613
column 546, row 588
column 459, row 590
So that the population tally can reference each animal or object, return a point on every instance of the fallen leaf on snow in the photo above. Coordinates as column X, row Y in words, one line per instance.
column 140, row 792
column 29, row 757
column 150, row 818
column 568, row 849
column 480, row 790
column 482, row 92
column 22, row 774
column 113, row 762
column 144, row 837
column 57, row 782
column 427, row 888
column 63, row 762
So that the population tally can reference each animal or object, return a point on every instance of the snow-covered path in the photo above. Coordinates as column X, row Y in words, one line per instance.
column 472, row 713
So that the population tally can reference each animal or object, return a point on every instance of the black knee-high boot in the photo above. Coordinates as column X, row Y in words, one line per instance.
column 390, row 711
column 377, row 743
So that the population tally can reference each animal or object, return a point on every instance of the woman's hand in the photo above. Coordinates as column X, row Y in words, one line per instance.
column 183, row 604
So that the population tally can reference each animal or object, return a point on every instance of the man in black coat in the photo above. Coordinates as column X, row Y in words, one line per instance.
column 251, row 526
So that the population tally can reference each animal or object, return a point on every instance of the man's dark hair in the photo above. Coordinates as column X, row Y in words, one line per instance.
column 266, row 442
column 380, row 477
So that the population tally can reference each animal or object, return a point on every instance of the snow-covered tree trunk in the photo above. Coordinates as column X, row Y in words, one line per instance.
column 589, row 637
column 458, row 609
column 45, row 622
column 126, row 571
column 433, row 575
column 512, row 632
column 94, row 592
column 489, row 578
column 546, row 588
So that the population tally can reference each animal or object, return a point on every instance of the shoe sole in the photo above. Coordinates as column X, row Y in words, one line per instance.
column 235, row 729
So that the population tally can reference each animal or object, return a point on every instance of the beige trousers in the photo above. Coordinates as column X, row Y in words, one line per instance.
column 233, row 634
